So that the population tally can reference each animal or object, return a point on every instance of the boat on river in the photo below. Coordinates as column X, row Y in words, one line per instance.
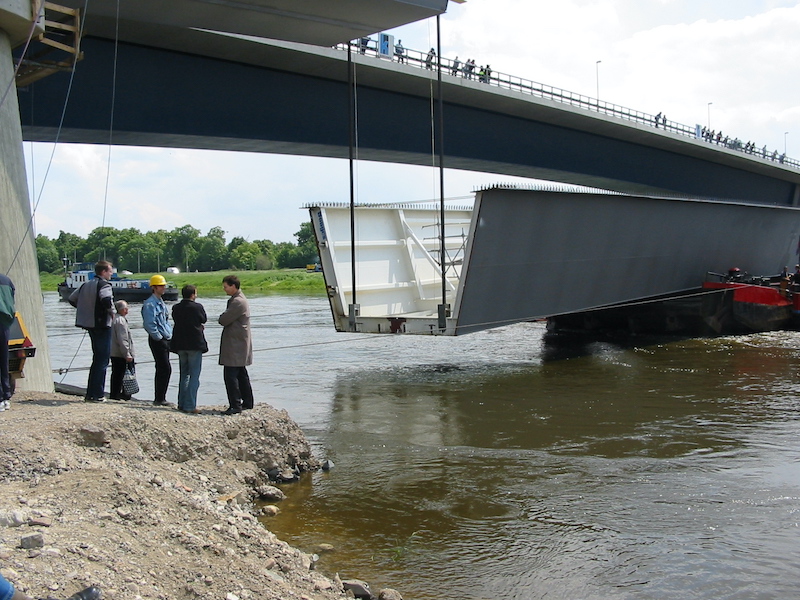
column 130, row 290
column 747, row 303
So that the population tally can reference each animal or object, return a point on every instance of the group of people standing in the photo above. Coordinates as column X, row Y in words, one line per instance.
column 107, row 325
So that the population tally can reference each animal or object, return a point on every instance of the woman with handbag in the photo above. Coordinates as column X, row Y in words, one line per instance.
column 122, row 355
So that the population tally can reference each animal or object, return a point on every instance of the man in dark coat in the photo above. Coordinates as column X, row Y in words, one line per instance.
column 7, row 292
column 94, row 301
column 189, row 343
column 236, row 347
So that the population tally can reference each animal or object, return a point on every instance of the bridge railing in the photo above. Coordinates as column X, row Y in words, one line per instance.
column 424, row 60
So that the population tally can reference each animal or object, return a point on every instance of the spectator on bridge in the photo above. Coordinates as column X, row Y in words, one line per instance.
column 658, row 119
column 488, row 74
column 456, row 65
column 764, row 151
column 469, row 66
column 429, row 59
column 400, row 52
column 664, row 121
column 796, row 275
column 363, row 44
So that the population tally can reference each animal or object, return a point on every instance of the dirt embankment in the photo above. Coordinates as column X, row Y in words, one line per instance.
column 146, row 502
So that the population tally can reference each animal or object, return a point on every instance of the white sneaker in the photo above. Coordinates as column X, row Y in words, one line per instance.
column 2, row 405
column 7, row 404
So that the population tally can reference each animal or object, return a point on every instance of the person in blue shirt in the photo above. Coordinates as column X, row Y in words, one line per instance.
column 155, row 318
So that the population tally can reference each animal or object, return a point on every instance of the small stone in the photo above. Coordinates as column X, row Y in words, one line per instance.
column 35, row 540
column 389, row 594
column 270, row 492
column 359, row 588
column 270, row 510
column 327, row 465
column 94, row 436
column 323, row 548
column 40, row 522
column 124, row 513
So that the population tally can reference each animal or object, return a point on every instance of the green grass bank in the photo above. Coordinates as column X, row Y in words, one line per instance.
column 293, row 281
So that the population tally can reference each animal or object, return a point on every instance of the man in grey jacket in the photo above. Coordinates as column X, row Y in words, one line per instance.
column 236, row 347
column 94, row 301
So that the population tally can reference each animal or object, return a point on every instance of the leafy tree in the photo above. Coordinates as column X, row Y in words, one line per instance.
column 290, row 256
column 180, row 247
column 212, row 254
column 244, row 256
column 47, row 254
column 68, row 245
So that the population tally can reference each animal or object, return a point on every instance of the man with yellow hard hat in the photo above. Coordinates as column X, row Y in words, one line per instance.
column 155, row 318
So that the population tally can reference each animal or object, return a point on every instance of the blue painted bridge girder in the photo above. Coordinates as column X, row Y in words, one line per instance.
column 280, row 97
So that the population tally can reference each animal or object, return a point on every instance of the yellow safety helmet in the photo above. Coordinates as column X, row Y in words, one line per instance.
column 158, row 280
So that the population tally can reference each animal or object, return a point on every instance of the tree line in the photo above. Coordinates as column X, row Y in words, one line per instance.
column 183, row 247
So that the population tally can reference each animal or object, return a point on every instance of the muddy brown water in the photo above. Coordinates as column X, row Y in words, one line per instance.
column 513, row 464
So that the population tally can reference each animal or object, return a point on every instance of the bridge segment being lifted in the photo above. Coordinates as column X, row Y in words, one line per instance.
column 527, row 254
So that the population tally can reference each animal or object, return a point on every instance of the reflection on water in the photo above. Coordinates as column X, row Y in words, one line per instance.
column 664, row 471
column 511, row 464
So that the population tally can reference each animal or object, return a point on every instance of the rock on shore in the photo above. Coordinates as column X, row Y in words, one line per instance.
column 146, row 502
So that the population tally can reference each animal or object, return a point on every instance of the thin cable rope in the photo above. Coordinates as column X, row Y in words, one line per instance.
column 74, row 356
column 273, row 349
column 55, row 145
column 375, row 337
column 19, row 62
column 111, row 122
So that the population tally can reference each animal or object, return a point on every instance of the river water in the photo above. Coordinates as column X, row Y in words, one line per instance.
column 510, row 464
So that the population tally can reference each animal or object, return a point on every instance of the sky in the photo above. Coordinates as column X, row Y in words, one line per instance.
column 668, row 56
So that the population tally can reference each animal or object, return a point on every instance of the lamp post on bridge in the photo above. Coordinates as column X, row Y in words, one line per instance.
column 709, row 115
column 785, row 133
column 597, row 80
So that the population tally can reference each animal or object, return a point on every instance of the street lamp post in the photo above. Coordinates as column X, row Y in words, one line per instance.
column 138, row 260
column 785, row 133
column 597, row 79
column 709, row 115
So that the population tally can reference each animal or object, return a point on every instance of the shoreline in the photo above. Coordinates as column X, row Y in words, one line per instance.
column 148, row 503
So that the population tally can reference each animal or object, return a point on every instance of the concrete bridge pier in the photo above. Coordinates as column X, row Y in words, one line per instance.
column 17, row 246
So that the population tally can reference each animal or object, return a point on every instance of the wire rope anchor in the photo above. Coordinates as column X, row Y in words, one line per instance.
column 354, row 311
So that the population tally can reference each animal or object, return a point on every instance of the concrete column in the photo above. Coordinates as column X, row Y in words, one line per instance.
column 17, row 247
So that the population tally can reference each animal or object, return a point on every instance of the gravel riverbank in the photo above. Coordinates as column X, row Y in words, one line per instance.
column 148, row 503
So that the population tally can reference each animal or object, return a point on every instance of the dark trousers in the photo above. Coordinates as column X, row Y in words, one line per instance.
column 101, row 352
column 237, row 384
column 5, row 382
column 118, row 367
column 160, row 350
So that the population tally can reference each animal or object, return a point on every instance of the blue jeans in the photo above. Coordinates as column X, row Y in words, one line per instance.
column 190, row 362
column 101, row 354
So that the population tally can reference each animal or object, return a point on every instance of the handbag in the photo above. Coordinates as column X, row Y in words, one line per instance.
column 129, row 384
